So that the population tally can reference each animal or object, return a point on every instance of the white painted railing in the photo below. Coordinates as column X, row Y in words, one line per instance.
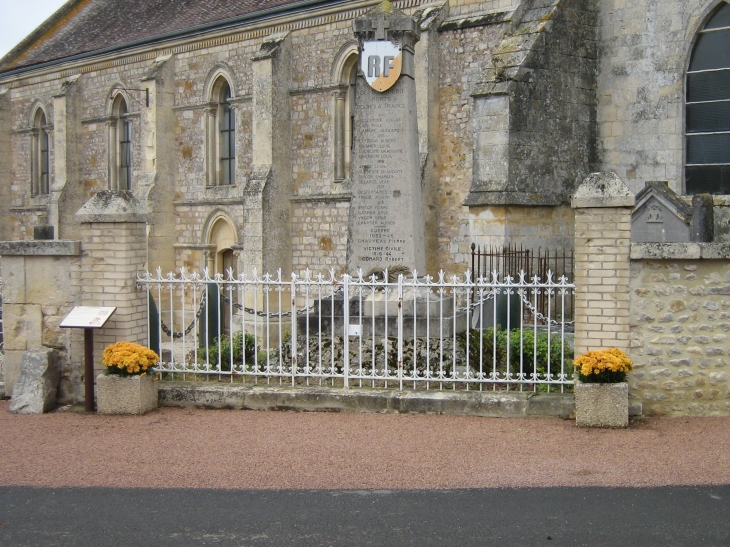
column 2, row 332
column 348, row 331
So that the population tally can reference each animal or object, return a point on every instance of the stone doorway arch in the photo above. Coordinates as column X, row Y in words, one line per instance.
column 223, row 254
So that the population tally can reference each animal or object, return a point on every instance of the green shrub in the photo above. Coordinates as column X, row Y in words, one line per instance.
column 227, row 346
column 527, row 351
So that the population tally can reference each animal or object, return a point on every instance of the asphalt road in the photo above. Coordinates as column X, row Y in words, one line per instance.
column 591, row 516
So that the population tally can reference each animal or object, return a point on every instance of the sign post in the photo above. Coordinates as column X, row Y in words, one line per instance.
column 88, row 318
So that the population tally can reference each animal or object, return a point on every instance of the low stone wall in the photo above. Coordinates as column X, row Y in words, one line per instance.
column 680, row 327
column 40, row 286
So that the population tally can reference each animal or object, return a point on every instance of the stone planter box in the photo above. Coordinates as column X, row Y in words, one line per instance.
column 125, row 394
column 601, row 405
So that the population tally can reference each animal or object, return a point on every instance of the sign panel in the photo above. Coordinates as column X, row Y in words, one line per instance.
column 87, row 317
column 381, row 61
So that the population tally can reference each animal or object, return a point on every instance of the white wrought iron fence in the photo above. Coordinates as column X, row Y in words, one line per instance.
column 379, row 331
column 2, row 332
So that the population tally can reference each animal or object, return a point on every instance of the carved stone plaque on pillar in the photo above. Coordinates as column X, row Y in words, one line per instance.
column 386, row 226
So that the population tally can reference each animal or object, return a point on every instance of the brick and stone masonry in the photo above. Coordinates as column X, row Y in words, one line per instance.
column 602, row 207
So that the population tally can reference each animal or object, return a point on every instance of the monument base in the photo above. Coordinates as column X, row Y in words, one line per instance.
column 425, row 315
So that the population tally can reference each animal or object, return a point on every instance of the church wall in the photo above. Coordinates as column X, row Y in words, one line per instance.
column 311, row 123
column 319, row 237
column 193, row 67
column 195, row 202
column 314, row 50
column 25, row 210
column 94, row 109
column 553, row 109
column 533, row 129
column 191, row 72
column 5, row 172
column 645, row 47
column 464, row 55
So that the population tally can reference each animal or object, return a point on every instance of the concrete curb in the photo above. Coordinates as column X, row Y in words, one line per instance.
column 316, row 399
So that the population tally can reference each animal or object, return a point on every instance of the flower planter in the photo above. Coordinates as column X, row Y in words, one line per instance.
column 602, row 405
column 125, row 394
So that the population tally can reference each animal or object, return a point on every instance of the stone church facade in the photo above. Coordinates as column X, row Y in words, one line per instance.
column 231, row 122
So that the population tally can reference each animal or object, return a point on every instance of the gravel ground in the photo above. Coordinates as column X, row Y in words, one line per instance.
column 192, row 448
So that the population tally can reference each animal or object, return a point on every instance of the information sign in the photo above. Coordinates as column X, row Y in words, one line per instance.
column 87, row 317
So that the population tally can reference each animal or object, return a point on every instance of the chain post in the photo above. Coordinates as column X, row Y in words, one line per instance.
column 294, row 365
column 400, row 330
column 346, row 322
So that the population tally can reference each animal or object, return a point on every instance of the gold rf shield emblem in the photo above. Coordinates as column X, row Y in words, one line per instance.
column 380, row 61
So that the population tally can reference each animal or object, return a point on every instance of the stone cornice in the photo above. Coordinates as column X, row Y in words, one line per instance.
column 321, row 198
column 316, row 89
column 28, row 208
column 206, row 202
column 202, row 106
column 40, row 248
column 680, row 251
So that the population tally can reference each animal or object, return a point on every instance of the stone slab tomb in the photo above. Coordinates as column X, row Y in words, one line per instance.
column 661, row 216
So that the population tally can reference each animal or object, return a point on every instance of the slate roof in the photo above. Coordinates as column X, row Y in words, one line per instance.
column 83, row 26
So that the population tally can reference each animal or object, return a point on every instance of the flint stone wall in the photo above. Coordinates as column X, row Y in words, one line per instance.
column 679, row 326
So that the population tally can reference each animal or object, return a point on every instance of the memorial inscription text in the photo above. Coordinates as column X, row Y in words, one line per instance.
column 382, row 158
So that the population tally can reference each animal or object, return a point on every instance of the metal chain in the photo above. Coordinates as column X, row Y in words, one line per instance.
column 473, row 306
column 526, row 301
column 190, row 327
column 541, row 317
column 301, row 311
column 260, row 313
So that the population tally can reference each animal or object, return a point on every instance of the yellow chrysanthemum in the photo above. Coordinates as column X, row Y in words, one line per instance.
column 130, row 357
column 596, row 362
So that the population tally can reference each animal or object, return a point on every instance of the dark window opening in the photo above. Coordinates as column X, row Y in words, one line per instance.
column 708, row 109
column 227, row 138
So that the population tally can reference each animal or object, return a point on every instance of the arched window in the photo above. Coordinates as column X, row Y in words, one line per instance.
column 120, row 147
column 345, row 117
column 221, row 136
column 40, row 164
column 708, row 108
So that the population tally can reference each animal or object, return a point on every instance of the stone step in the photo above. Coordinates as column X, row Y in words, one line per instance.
column 315, row 399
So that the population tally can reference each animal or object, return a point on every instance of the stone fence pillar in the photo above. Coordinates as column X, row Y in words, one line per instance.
column 40, row 287
column 114, row 247
column 602, row 206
